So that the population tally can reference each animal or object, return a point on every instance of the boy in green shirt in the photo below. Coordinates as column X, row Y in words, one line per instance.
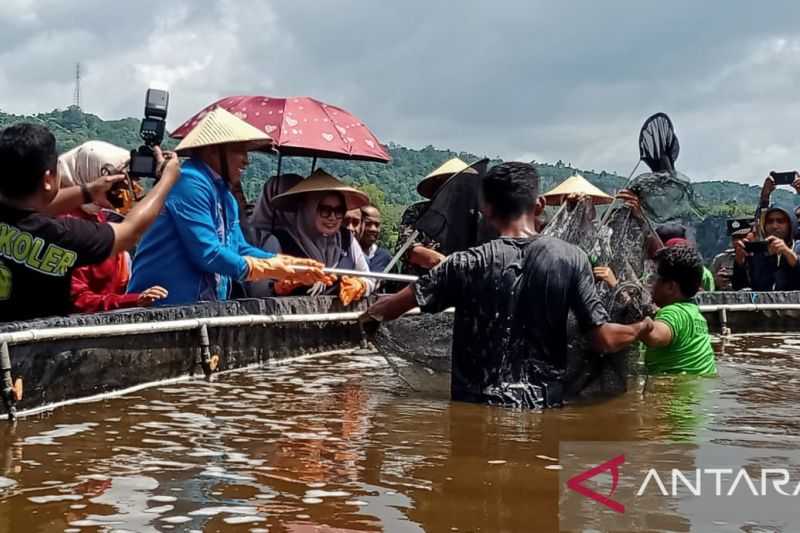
column 679, row 341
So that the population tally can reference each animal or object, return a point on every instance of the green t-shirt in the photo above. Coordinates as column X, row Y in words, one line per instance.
column 690, row 351
column 708, row 280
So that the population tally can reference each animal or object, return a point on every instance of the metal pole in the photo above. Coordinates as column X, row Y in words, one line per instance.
column 314, row 164
column 723, row 319
column 205, row 352
column 402, row 250
column 403, row 278
column 280, row 160
column 7, row 390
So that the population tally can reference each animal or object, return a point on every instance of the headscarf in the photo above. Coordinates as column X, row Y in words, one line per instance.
column 85, row 163
column 265, row 218
column 327, row 250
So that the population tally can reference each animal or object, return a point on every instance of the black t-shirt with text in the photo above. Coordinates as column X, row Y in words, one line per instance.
column 512, row 298
column 37, row 256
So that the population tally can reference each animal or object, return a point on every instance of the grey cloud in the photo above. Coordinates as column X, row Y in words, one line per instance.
column 570, row 80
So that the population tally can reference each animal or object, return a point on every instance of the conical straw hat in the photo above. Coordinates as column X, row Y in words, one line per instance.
column 221, row 127
column 576, row 184
column 431, row 183
column 319, row 181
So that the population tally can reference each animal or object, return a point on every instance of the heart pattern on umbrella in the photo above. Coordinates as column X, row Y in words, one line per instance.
column 280, row 118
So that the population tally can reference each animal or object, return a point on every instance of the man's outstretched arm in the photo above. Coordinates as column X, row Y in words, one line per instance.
column 611, row 337
column 393, row 306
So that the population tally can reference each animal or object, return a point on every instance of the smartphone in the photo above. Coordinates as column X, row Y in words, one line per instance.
column 783, row 178
column 757, row 247
column 738, row 224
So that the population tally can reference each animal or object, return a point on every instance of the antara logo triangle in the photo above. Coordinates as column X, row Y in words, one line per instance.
column 576, row 483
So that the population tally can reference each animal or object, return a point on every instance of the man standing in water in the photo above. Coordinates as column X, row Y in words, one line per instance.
column 679, row 342
column 512, row 297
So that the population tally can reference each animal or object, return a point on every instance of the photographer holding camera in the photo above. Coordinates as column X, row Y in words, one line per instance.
column 196, row 248
column 103, row 286
column 767, row 259
column 38, row 253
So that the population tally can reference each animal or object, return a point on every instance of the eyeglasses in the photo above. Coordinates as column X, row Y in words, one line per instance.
column 328, row 211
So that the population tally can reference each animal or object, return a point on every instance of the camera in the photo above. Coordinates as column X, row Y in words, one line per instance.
column 783, row 178
column 757, row 247
column 143, row 162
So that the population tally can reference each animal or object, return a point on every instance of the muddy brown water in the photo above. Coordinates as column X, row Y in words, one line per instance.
column 339, row 443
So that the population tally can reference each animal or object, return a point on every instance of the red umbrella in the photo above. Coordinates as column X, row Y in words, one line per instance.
column 301, row 126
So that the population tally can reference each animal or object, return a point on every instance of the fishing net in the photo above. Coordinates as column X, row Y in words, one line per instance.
column 658, row 145
column 620, row 241
column 574, row 223
column 421, row 361
column 665, row 196
column 664, row 193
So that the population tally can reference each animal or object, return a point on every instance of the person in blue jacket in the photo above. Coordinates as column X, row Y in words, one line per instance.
column 196, row 248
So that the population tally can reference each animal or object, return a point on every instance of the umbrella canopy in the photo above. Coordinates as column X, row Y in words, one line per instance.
column 301, row 126
column 576, row 184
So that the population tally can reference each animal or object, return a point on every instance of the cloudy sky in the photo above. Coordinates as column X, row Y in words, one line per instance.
column 521, row 79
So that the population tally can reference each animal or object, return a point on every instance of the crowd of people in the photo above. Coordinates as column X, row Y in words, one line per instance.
column 65, row 249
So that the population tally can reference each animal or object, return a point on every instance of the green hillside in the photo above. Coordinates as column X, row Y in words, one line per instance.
column 393, row 186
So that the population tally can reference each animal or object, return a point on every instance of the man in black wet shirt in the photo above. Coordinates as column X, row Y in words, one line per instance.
column 38, row 252
column 512, row 297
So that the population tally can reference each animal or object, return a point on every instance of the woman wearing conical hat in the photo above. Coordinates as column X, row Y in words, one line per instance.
column 196, row 248
column 315, row 210
column 424, row 253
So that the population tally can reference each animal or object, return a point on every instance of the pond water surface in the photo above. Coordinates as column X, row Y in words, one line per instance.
column 339, row 443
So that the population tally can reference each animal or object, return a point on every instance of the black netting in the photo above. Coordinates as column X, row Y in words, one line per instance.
column 574, row 223
column 658, row 144
column 665, row 196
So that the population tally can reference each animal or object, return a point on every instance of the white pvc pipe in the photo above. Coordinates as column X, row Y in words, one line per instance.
column 117, row 330
column 749, row 307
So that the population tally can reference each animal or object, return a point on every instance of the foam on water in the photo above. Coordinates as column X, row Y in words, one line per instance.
column 176, row 519
column 326, row 494
column 63, row 430
column 55, row 498
column 242, row 519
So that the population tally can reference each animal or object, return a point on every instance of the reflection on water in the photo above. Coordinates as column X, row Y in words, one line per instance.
column 341, row 444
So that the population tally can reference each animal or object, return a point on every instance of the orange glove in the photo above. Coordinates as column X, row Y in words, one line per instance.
column 351, row 289
column 281, row 267
column 311, row 274
column 285, row 287
column 261, row 269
